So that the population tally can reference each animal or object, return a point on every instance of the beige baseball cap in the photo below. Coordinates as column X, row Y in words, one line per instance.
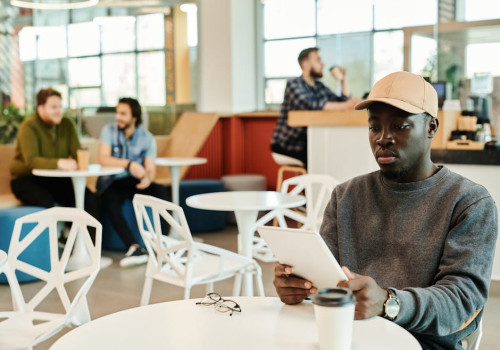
column 406, row 91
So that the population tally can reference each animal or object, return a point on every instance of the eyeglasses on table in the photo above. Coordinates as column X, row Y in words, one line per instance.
column 221, row 304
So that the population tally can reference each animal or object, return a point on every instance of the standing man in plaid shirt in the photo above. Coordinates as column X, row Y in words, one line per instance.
column 307, row 93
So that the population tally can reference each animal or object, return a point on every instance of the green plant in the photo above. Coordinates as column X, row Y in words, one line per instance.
column 10, row 118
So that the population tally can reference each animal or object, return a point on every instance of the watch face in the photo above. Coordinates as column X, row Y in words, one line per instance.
column 392, row 308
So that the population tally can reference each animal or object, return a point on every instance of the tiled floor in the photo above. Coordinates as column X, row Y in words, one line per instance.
column 117, row 289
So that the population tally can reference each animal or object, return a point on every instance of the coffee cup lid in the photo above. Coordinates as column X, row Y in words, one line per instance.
column 334, row 297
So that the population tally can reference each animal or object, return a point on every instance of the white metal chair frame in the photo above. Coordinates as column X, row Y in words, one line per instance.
column 27, row 325
column 473, row 340
column 184, row 262
column 317, row 188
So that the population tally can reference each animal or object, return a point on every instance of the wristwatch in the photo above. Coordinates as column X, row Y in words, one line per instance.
column 391, row 306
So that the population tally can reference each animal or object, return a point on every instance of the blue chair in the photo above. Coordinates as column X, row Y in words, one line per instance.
column 36, row 254
column 201, row 220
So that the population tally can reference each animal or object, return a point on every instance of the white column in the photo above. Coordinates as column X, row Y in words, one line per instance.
column 227, row 56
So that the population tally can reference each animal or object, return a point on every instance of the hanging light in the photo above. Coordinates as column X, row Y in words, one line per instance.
column 47, row 5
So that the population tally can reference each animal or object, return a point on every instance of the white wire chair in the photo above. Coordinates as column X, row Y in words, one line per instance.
column 32, row 321
column 317, row 189
column 184, row 262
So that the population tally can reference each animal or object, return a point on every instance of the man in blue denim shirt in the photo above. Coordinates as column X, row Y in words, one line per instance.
column 307, row 93
column 125, row 143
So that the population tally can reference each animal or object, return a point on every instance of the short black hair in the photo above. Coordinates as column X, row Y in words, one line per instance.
column 304, row 54
column 135, row 106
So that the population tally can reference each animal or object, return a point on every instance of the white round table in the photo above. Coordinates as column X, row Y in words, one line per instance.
column 79, row 257
column 246, row 206
column 174, row 165
column 264, row 323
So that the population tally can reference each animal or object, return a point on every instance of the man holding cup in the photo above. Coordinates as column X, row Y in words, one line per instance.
column 418, row 238
column 46, row 140
column 308, row 93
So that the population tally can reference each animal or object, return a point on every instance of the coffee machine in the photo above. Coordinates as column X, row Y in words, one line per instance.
column 479, row 100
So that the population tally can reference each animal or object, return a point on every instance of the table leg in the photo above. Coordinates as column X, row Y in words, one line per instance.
column 245, row 219
column 80, row 256
column 174, row 176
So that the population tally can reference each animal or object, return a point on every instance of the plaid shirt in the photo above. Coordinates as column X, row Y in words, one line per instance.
column 300, row 96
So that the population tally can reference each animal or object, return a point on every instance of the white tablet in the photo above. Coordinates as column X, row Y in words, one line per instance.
column 306, row 252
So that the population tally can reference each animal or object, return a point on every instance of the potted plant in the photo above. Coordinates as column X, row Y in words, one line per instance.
column 10, row 118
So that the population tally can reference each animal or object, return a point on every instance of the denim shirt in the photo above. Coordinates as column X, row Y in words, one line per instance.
column 141, row 145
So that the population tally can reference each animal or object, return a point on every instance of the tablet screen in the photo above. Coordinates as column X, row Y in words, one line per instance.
column 306, row 252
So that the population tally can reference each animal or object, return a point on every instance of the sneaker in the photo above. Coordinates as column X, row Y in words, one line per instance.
column 134, row 256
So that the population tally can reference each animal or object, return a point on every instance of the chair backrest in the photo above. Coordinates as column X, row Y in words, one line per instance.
column 163, row 249
column 42, row 228
column 318, row 189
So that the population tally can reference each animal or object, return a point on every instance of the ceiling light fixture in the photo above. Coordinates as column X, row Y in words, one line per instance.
column 51, row 5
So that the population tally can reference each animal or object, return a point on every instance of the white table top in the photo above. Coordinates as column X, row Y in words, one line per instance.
column 264, row 323
column 94, row 170
column 245, row 200
column 180, row 161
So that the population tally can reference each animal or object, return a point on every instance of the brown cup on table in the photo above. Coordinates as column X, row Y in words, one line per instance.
column 82, row 158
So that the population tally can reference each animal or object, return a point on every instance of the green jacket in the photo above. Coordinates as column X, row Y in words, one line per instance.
column 40, row 145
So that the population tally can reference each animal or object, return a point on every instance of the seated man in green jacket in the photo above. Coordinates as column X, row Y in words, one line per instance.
column 46, row 140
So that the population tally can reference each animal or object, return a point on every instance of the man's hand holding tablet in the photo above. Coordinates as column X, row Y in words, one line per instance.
column 306, row 263
column 291, row 289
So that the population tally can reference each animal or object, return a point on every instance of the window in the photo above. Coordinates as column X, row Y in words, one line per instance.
column 118, row 77
column 352, row 51
column 27, row 44
column 83, row 39
column 423, row 56
column 96, row 61
column 51, row 42
column 88, row 97
column 476, row 10
column 275, row 91
column 281, row 56
column 151, row 77
column 117, row 34
column 337, row 16
column 150, row 32
column 365, row 36
column 390, row 14
column 84, row 71
column 482, row 58
column 387, row 53
column 289, row 18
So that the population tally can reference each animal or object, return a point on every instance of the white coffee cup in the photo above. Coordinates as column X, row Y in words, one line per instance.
column 334, row 313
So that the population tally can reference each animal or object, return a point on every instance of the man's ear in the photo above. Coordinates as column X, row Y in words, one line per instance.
column 432, row 127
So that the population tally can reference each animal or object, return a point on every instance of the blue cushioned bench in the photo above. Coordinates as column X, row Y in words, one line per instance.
column 37, row 253
column 201, row 220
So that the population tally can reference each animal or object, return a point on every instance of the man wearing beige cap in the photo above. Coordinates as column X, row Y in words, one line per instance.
column 418, row 238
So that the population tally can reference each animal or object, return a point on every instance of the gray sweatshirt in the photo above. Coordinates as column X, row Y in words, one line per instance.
column 431, row 241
